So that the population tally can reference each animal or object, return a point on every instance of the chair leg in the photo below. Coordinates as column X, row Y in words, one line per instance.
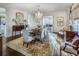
column 60, row 51
column 41, row 41
column 26, row 44
column 23, row 43
column 77, row 52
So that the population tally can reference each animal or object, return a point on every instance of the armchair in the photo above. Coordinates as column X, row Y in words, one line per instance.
column 73, row 46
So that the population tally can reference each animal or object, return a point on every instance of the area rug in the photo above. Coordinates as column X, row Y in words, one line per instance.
column 36, row 49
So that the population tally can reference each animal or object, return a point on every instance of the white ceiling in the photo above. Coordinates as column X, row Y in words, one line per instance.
column 33, row 6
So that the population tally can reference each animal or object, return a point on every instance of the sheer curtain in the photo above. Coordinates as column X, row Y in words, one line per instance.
column 47, row 20
column 53, row 44
column 75, row 25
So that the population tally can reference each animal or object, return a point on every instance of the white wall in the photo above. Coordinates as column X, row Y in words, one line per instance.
column 75, row 13
column 56, row 14
column 11, row 14
column 60, row 14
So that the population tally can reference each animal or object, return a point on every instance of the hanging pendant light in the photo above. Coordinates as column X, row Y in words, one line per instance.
column 38, row 14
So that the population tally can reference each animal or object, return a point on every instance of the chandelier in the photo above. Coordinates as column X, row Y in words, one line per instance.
column 38, row 14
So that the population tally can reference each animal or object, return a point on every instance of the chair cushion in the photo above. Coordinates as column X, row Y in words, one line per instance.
column 76, row 41
column 71, row 50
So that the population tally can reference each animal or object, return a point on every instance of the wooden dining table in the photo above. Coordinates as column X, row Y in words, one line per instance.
column 35, row 33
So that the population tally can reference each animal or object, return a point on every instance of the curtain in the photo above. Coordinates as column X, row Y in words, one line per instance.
column 47, row 20
column 75, row 26
column 54, row 45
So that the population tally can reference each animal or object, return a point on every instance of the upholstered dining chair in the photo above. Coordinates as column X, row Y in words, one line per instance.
column 27, row 37
column 38, row 36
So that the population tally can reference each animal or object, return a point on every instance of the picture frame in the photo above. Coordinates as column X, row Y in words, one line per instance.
column 60, row 21
column 19, row 17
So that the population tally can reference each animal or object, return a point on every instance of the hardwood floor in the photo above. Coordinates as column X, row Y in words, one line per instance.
column 0, row 46
column 13, row 37
column 11, row 52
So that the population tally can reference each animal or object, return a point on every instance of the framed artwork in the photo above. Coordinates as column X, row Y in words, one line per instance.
column 60, row 21
column 19, row 17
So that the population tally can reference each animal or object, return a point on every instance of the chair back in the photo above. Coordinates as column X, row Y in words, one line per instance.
column 70, row 35
column 26, row 36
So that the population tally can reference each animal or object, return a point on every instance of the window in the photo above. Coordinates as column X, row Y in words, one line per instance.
column 75, row 26
column 48, row 22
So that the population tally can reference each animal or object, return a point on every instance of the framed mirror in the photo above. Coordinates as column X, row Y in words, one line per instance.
column 19, row 18
column 60, row 21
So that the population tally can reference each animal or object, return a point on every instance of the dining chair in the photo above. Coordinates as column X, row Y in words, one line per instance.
column 27, row 37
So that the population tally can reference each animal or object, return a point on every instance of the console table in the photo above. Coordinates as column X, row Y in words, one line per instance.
column 16, row 28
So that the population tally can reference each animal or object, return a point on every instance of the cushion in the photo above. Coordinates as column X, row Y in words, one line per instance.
column 70, row 50
column 75, row 41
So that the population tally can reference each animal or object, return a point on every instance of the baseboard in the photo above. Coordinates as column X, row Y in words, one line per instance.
column 13, row 37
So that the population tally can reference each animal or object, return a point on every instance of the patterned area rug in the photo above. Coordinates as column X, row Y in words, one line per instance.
column 39, row 49
column 36, row 49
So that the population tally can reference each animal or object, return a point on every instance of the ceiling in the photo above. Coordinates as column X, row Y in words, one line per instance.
column 42, row 6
